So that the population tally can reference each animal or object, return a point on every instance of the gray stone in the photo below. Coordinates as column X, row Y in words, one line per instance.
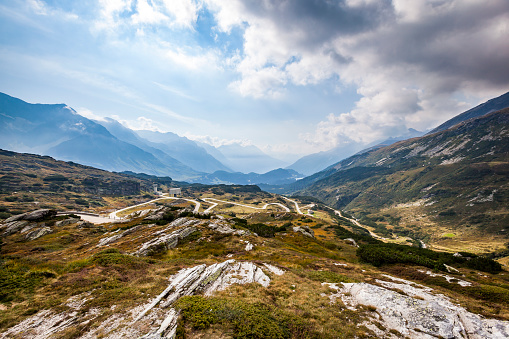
column 14, row 226
column 308, row 232
column 165, row 242
column 418, row 313
column 66, row 222
column 84, row 224
column 33, row 216
column 38, row 233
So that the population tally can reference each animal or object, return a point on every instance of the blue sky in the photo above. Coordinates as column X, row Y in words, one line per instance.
column 291, row 77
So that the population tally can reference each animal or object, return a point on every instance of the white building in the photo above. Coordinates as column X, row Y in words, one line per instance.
column 173, row 192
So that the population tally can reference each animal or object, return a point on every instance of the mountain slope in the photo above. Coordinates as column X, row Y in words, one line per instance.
column 455, row 177
column 59, row 131
column 278, row 176
column 491, row 105
column 316, row 162
column 184, row 150
column 181, row 171
column 248, row 159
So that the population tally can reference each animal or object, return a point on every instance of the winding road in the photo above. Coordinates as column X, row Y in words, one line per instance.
column 297, row 208
column 214, row 204
column 113, row 215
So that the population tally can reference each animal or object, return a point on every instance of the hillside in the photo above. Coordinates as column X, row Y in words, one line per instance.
column 489, row 106
column 446, row 188
column 236, row 262
column 29, row 181
column 278, row 176
column 59, row 131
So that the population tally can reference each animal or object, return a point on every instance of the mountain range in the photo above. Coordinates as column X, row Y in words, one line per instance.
column 59, row 131
column 456, row 177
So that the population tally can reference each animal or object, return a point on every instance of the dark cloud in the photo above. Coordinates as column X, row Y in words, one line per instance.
column 319, row 22
column 454, row 43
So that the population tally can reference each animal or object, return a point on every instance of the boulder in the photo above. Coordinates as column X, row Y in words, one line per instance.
column 165, row 242
column 85, row 224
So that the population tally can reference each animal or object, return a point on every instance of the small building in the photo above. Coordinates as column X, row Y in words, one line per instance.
column 173, row 192
column 155, row 188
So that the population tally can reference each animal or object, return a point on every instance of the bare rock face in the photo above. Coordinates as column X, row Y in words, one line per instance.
column 113, row 238
column 13, row 226
column 156, row 214
column 418, row 313
column 33, row 216
column 224, row 227
column 85, row 224
column 40, row 215
column 38, row 233
column 164, row 241
column 201, row 279
column 66, row 222
column 308, row 232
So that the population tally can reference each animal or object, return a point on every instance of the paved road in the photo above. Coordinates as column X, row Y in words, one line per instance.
column 360, row 225
column 234, row 203
column 95, row 219
column 113, row 215
column 296, row 205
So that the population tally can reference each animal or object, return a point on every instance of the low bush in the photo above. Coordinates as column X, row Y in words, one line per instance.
column 379, row 254
column 245, row 320
column 263, row 230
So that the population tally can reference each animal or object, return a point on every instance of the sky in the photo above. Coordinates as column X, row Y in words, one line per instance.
column 292, row 77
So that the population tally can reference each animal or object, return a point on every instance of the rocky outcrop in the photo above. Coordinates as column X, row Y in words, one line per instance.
column 13, row 226
column 202, row 279
column 274, row 269
column 308, row 232
column 37, row 215
column 38, row 233
column 224, row 227
column 164, row 242
column 113, row 238
column 156, row 214
column 413, row 311
column 85, row 224
column 66, row 222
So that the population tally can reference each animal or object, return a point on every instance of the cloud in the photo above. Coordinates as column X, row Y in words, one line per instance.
column 175, row 91
column 217, row 142
column 141, row 123
column 410, row 61
column 89, row 114
column 148, row 13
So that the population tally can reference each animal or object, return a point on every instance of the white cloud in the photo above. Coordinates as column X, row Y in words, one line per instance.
column 409, row 60
column 141, row 123
column 217, row 142
column 184, row 12
column 175, row 91
column 89, row 114
column 148, row 13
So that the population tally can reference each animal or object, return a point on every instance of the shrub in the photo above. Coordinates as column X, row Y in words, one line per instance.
column 255, row 320
column 263, row 230
column 379, row 254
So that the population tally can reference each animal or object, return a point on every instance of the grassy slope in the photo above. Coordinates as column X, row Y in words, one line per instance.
column 457, row 179
column 44, row 273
